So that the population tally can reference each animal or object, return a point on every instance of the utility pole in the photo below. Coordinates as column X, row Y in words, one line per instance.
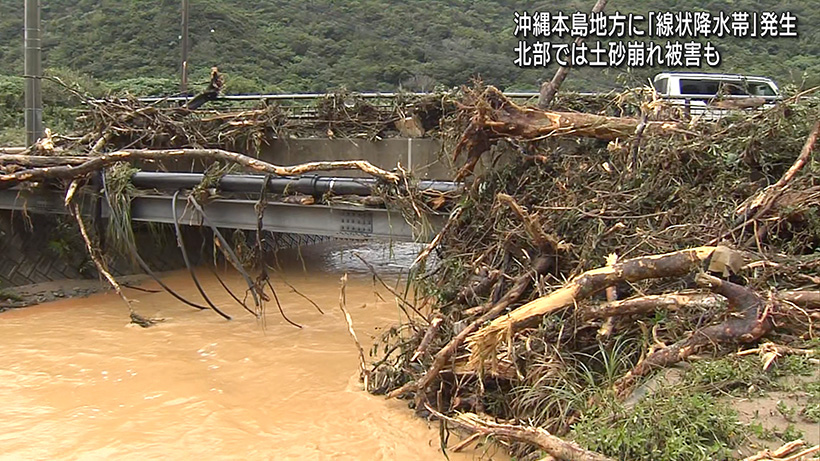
column 550, row 89
column 183, row 88
column 33, row 70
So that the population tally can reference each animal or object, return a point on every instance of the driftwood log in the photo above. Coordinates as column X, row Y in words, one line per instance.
column 808, row 299
column 537, row 436
column 675, row 264
column 70, row 172
column 497, row 117
column 752, row 322
column 647, row 304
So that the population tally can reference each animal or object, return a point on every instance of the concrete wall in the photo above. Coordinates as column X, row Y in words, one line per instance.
column 28, row 256
column 45, row 248
column 422, row 155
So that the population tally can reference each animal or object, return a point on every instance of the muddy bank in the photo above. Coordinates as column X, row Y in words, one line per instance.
column 30, row 295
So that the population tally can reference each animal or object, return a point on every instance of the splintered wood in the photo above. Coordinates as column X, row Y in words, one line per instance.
column 483, row 343
column 792, row 451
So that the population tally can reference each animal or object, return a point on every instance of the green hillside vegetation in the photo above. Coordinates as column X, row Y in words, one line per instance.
column 320, row 45
column 366, row 45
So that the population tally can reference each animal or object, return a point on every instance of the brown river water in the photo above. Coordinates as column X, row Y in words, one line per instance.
column 77, row 382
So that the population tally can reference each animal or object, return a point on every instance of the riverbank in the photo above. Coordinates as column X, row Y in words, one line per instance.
column 38, row 293
column 574, row 271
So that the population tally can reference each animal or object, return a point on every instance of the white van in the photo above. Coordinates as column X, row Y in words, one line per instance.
column 711, row 96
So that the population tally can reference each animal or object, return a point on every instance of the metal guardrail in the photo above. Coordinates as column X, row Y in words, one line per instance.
column 316, row 96
column 308, row 96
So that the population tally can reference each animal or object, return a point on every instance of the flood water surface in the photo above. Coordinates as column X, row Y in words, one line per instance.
column 77, row 382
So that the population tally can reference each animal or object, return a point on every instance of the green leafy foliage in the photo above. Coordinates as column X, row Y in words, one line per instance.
column 812, row 409
column 364, row 45
column 105, row 47
column 671, row 424
column 744, row 375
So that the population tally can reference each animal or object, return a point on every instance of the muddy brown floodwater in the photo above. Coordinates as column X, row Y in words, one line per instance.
column 76, row 382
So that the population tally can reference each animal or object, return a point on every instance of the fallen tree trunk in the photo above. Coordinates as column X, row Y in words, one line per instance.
column 752, row 323
column 550, row 88
column 804, row 299
column 38, row 161
column 69, row 172
column 12, row 150
column 646, row 304
column 676, row 264
column 498, row 117
column 537, row 436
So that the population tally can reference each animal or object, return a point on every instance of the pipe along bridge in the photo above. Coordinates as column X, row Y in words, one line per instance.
column 238, row 196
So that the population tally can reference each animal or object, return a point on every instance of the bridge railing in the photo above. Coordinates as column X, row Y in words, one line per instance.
column 303, row 105
column 318, row 96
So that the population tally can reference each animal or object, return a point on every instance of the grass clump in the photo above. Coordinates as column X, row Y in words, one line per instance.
column 9, row 296
column 744, row 375
column 120, row 192
column 736, row 375
column 671, row 424
column 812, row 409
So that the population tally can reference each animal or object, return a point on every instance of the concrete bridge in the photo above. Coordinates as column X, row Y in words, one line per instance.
column 239, row 211
column 38, row 253
column 27, row 258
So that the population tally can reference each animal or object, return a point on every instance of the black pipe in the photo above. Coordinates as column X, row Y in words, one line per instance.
column 305, row 184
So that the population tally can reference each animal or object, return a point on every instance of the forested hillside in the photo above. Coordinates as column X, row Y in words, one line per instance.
column 316, row 45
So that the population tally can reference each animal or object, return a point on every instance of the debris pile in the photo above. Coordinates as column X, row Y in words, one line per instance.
column 596, row 251
column 129, row 123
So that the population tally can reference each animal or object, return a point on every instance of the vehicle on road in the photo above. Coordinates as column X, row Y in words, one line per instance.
column 712, row 96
